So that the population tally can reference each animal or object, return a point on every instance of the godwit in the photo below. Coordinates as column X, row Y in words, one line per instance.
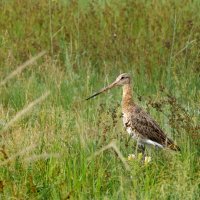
column 136, row 121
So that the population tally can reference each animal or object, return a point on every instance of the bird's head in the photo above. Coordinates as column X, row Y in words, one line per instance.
column 122, row 79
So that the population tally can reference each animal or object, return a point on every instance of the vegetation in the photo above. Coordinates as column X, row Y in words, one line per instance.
column 55, row 146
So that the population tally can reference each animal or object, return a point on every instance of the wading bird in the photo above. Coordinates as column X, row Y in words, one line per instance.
column 136, row 121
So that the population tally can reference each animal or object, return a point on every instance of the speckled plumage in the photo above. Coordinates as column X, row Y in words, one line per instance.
column 136, row 121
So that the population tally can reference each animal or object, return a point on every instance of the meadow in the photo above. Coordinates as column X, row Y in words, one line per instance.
column 54, row 54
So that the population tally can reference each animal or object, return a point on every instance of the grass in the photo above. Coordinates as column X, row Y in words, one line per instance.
column 56, row 149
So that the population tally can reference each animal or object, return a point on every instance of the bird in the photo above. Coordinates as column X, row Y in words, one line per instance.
column 138, row 123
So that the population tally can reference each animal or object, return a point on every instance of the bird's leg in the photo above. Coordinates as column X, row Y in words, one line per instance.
column 140, row 148
column 157, row 148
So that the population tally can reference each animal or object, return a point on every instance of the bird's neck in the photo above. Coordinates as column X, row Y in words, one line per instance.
column 127, row 99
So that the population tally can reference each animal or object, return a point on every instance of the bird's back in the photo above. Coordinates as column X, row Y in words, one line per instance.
column 145, row 128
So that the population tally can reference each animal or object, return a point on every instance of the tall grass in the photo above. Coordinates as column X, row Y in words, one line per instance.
column 59, row 149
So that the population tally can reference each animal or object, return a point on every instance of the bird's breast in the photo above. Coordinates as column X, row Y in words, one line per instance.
column 126, row 120
column 127, row 125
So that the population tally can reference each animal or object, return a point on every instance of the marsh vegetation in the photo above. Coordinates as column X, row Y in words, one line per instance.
column 56, row 145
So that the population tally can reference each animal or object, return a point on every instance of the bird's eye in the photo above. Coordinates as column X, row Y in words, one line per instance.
column 122, row 77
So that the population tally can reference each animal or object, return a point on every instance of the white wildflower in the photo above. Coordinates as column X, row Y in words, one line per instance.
column 147, row 159
column 131, row 157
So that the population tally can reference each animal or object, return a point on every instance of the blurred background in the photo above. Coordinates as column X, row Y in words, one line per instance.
column 85, row 45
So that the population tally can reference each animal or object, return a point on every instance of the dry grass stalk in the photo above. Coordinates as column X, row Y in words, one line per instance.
column 24, row 111
column 21, row 153
column 22, row 67
column 35, row 158
column 115, row 148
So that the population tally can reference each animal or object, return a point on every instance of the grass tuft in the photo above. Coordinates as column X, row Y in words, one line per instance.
column 61, row 147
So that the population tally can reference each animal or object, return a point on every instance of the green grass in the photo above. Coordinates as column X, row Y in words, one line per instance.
column 49, row 153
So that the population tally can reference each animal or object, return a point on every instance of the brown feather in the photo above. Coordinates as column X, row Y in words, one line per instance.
column 137, row 122
column 148, row 128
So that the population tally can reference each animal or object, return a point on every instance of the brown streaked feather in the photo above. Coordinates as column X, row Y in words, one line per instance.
column 137, row 122
column 148, row 128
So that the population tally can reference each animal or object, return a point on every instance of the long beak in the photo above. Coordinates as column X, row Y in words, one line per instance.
column 103, row 90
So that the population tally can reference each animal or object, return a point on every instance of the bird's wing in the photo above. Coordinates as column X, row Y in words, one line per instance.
column 148, row 128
